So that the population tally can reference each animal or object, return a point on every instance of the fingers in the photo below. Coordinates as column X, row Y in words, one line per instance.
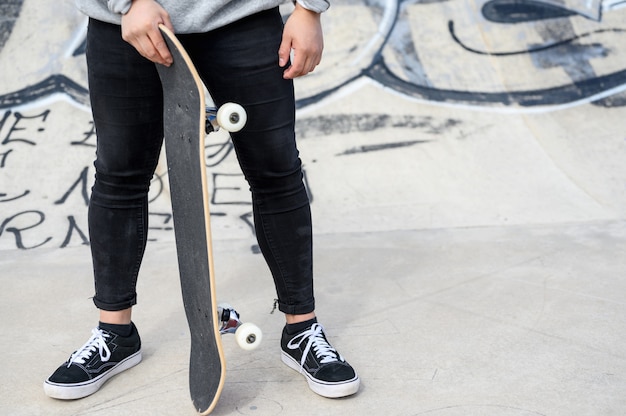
column 167, row 22
column 140, row 28
column 149, row 43
column 304, row 41
column 304, row 59
column 161, row 46
column 302, row 64
column 162, row 53
column 283, row 52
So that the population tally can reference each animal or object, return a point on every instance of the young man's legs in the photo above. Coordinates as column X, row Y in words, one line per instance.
column 126, row 101
column 240, row 64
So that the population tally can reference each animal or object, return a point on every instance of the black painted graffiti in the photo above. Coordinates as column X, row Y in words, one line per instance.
column 397, row 63
column 21, row 133
column 529, row 98
column 23, row 223
column 216, row 152
column 10, row 11
column 398, row 42
column 55, row 84
column 564, row 47
column 18, row 131
column 351, row 123
column 20, row 223
column 20, row 126
column 538, row 48
column 516, row 11
column 379, row 147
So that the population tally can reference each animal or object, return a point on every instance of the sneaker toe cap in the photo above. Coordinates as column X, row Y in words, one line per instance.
column 336, row 372
column 69, row 375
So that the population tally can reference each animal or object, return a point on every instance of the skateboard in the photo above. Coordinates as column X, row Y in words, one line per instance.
column 186, row 122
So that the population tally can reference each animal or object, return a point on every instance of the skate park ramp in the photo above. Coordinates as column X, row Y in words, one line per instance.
column 465, row 162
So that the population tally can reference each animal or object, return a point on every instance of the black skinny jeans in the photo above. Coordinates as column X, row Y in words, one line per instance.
column 238, row 63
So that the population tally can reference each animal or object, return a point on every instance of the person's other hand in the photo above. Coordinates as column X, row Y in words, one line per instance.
column 303, row 35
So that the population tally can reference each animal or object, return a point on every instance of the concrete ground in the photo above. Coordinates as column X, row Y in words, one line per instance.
column 516, row 319
column 521, row 320
column 469, row 256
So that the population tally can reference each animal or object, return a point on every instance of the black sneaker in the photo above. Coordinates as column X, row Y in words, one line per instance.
column 327, row 373
column 103, row 356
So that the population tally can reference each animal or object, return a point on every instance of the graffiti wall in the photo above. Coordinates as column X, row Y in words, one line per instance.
column 450, row 57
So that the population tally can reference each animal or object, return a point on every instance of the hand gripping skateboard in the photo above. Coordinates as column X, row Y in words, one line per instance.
column 186, row 122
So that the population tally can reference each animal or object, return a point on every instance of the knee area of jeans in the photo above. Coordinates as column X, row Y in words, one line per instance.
column 276, row 186
column 126, row 185
column 276, row 205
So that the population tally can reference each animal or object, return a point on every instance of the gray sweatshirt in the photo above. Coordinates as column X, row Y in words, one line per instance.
column 189, row 16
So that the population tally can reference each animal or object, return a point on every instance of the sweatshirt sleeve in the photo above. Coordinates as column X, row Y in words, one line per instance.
column 119, row 6
column 318, row 6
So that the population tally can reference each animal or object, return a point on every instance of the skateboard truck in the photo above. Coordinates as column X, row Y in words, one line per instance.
column 230, row 116
column 247, row 335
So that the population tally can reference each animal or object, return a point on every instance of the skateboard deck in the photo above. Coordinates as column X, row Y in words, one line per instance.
column 184, row 130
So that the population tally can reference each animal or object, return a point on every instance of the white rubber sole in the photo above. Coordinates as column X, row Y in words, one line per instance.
column 80, row 390
column 325, row 389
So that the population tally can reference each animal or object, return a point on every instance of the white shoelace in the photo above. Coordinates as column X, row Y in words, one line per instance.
column 96, row 342
column 316, row 341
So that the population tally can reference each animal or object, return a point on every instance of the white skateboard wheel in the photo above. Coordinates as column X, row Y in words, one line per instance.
column 248, row 336
column 231, row 117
